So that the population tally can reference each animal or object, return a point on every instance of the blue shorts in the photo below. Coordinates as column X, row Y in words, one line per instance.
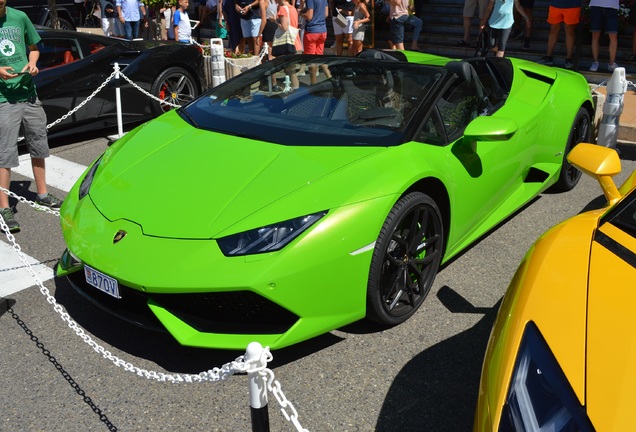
column 396, row 25
column 250, row 27
column 603, row 19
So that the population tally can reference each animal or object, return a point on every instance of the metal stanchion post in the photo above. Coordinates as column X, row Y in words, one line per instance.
column 612, row 109
column 120, row 122
column 258, row 391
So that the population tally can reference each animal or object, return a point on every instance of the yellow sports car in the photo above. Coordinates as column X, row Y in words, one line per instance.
column 562, row 351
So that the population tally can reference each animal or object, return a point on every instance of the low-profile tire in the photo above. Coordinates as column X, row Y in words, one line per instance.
column 174, row 85
column 405, row 259
column 581, row 131
column 64, row 24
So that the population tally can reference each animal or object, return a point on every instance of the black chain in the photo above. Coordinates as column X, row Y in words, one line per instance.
column 32, row 265
column 102, row 417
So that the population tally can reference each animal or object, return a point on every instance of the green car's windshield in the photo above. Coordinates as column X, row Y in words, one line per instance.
column 316, row 100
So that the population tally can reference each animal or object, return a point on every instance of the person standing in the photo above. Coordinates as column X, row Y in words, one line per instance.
column 604, row 16
column 567, row 12
column 501, row 21
column 110, row 24
column 398, row 15
column 361, row 18
column 20, row 107
column 343, row 33
column 167, row 30
column 469, row 12
column 315, row 14
column 80, row 8
column 130, row 13
column 253, row 15
column 181, row 23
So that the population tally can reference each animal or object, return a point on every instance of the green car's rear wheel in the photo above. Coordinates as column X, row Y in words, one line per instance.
column 405, row 260
column 581, row 132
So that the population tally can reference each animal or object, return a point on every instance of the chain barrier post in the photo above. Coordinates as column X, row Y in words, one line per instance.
column 257, row 390
column 218, row 64
column 612, row 109
column 120, row 122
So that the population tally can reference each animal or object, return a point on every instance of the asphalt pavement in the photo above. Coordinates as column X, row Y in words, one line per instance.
column 421, row 375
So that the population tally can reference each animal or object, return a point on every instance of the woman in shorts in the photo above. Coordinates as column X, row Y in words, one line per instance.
column 342, row 32
column 361, row 18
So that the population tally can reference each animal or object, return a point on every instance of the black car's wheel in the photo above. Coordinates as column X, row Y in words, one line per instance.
column 581, row 132
column 64, row 24
column 405, row 260
column 176, row 86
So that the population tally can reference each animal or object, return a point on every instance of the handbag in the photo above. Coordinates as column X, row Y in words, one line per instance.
column 340, row 19
column 285, row 41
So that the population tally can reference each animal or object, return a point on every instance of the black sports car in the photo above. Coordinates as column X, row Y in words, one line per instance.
column 73, row 65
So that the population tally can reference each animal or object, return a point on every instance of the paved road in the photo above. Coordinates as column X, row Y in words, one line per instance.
column 422, row 375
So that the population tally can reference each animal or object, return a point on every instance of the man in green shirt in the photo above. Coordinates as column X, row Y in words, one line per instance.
column 20, row 106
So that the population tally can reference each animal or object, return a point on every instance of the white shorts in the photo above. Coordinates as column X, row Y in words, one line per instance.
column 251, row 27
column 112, row 27
column 338, row 29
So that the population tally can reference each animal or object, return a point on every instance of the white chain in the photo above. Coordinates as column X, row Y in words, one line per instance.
column 273, row 386
column 84, row 102
column 151, row 96
column 31, row 203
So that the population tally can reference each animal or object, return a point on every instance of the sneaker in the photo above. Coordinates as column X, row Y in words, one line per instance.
column 49, row 201
column 7, row 215
column 526, row 43
column 569, row 64
column 594, row 67
column 611, row 67
column 546, row 60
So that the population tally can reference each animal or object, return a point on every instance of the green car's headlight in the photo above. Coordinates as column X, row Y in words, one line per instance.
column 88, row 179
column 540, row 396
column 268, row 238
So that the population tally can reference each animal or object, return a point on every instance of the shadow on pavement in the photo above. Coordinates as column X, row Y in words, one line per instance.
column 437, row 390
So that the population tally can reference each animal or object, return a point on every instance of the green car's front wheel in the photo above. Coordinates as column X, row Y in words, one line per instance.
column 405, row 260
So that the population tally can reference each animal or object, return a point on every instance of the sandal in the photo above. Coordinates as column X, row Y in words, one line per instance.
column 462, row 43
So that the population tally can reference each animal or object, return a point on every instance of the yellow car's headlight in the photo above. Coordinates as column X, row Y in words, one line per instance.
column 540, row 396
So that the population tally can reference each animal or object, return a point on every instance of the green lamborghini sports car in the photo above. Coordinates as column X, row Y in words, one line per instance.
column 313, row 191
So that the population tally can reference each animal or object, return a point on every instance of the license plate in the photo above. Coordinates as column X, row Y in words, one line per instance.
column 102, row 282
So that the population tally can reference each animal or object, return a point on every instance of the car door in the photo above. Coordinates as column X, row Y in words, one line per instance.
column 486, row 171
column 68, row 76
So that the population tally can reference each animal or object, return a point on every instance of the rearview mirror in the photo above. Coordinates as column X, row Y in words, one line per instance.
column 600, row 162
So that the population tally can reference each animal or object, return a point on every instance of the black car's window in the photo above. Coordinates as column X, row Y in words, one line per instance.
column 319, row 100
column 57, row 52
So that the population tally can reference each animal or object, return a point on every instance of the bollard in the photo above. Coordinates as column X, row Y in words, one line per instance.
column 217, row 58
column 120, row 122
column 257, row 390
column 612, row 109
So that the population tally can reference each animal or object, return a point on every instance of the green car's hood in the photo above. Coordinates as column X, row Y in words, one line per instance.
column 181, row 182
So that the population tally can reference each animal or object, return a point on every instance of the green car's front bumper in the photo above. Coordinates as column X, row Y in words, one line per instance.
column 205, row 299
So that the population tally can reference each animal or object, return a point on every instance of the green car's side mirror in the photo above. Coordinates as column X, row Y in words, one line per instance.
column 486, row 128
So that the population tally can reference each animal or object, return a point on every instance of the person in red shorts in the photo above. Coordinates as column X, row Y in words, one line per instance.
column 315, row 14
column 567, row 12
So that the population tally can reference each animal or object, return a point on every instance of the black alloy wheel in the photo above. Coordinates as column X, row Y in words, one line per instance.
column 405, row 260
column 176, row 86
column 581, row 132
